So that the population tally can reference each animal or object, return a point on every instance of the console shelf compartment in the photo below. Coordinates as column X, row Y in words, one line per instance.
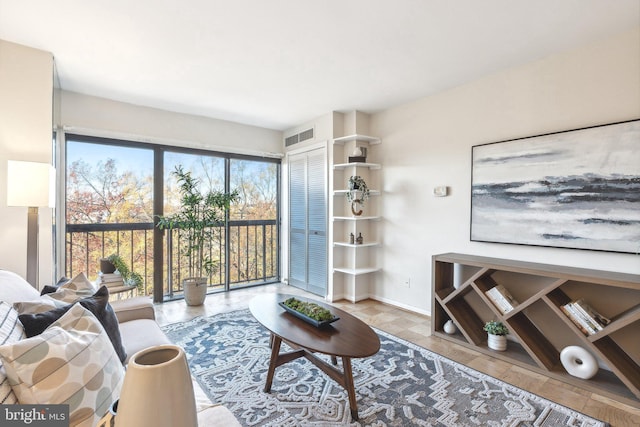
column 539, row 329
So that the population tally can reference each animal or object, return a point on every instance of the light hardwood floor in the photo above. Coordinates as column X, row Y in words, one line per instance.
column 417, row 329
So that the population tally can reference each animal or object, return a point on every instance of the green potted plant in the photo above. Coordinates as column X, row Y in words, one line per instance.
column 496, row 335
column 114, row 262
column 358, row 192
column 199, row 213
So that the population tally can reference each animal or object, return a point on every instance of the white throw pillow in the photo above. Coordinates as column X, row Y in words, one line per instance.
column 72, row 362
column 15, row 288
column 10, row 331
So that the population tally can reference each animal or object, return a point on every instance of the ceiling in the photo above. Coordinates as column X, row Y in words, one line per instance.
column 280, row 63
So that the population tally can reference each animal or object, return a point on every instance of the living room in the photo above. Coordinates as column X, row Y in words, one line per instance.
column 427, row 143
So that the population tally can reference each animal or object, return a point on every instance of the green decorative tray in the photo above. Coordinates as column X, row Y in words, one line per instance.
column 314, row 322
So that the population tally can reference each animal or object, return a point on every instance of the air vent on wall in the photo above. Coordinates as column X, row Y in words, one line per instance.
column 299, row 137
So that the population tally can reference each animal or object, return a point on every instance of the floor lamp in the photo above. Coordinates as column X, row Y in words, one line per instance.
column 30, row 184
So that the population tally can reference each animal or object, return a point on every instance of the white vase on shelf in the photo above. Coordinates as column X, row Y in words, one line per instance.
column 458, row 272
column 450, row 327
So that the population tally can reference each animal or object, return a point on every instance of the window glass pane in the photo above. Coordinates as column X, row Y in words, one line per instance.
column 253, row 232
column 257, row 185
column 108, row 184
column 208, row 170
column 109, row 208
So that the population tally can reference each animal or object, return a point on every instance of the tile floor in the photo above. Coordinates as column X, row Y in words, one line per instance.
column 417, row 329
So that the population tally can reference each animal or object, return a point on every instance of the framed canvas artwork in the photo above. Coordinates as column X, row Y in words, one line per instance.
column 574, row 189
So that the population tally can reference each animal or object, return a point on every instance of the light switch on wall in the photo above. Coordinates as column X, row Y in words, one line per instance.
column 440, row 191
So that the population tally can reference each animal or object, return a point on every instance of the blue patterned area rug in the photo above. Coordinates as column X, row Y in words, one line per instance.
column 402, row 385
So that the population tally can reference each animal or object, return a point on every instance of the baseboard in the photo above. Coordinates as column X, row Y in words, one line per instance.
column 399, row 305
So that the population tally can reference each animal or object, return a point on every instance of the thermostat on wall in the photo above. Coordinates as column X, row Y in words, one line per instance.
column 440, row 191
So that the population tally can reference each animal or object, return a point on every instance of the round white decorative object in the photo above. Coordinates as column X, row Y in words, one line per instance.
column 497, row 342
column 450, row 327
column 579, row 362
column 357, row 152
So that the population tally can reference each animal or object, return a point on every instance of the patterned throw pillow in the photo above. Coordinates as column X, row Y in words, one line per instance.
column 71, row 291
column 72, row 362
column 98, row 304
column 10, row 331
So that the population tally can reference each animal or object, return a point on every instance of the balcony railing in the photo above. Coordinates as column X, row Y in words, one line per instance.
column 251, row 249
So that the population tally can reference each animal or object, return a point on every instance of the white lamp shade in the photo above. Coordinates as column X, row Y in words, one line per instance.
column 30, row 184
column 157, row 390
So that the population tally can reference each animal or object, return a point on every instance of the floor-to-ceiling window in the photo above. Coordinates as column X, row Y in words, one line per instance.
column 115, row 189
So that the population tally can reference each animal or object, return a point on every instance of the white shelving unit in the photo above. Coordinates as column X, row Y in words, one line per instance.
column 354, row 264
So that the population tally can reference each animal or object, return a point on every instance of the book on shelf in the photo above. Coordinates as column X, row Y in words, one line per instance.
column 110, row 279
column 589, row 311
column 500, row 303
column 501, row 298
column 574, row 319
column 578, row 319
column 586, row 318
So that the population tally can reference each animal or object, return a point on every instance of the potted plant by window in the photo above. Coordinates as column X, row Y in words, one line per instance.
column 113, row 263
column 497, row 335
column 200, row 212
column 358, row 193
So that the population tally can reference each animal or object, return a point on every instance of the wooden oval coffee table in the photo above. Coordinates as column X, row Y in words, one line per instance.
column 346, row 338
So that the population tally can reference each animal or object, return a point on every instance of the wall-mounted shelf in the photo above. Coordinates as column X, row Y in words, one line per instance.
column 344, row 192
column 356, row 246
column 356, row 218
column 372, row 140
column 357, row 271
column 357, row 165
column 539, row 329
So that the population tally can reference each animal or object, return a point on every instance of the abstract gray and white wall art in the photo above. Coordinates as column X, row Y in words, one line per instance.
column 574, row 189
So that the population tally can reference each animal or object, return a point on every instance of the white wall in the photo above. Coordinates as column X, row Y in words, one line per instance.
column 428, row 143
column 26, row 91
column 91, row 115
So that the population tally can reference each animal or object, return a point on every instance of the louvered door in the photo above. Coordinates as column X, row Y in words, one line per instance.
column 308, row 221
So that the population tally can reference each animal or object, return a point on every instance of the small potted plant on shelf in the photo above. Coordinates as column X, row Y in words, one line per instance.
column 199, row 214
column 497, row 335
column 113, row 263
column 358, row 193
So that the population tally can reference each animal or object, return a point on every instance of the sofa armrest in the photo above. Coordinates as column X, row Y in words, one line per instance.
column 134, row 308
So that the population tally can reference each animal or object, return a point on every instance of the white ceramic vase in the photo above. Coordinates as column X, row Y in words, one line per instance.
column 450, row 327
column 497, row 342
column 157, row 390
column 458, row 275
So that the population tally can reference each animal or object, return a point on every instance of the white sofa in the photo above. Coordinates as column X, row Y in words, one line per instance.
column 138, row 330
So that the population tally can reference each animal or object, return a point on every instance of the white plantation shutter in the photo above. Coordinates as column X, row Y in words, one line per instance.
column 308, row 221
column 317, row 229
column 297, row 221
